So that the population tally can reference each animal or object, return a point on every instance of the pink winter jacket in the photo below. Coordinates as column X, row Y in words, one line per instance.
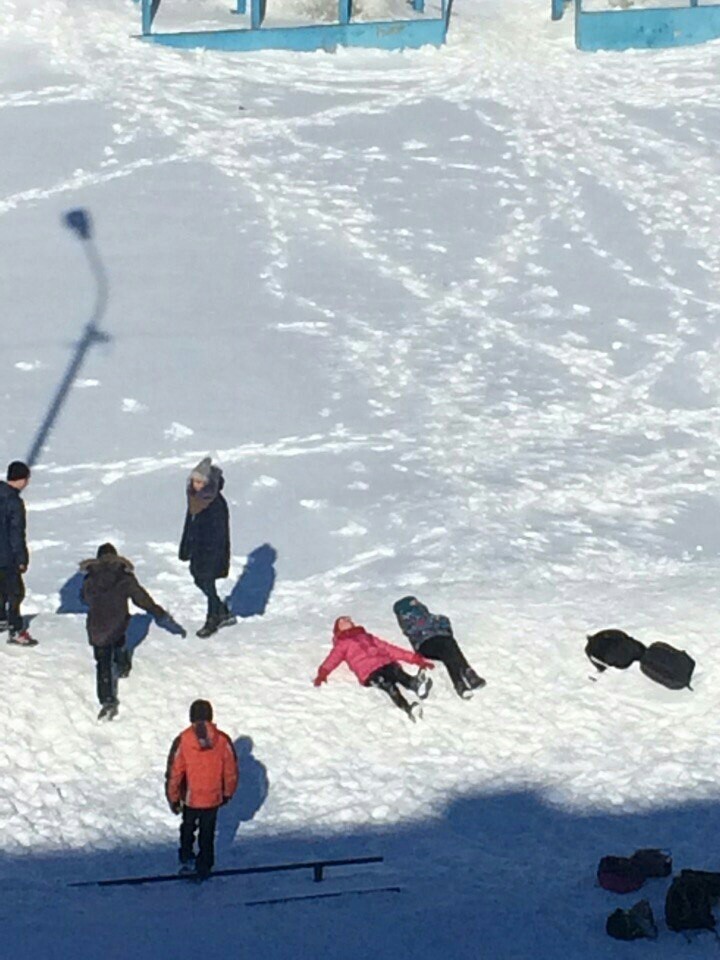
column 364, row 654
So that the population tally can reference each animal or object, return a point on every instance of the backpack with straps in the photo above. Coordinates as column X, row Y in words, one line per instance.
column 613, row 648
column 668, row 666
column 688, row 904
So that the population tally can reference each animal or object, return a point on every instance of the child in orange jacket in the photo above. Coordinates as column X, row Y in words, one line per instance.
column 201, row 776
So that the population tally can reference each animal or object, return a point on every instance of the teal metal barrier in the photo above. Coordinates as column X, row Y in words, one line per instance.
column 642, row 28
column 407, row 33
column 646, row 28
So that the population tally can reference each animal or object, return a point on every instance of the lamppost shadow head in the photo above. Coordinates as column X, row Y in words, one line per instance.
column 79, row 222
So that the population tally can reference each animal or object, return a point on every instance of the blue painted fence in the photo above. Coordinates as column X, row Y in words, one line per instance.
column 384, row 34
column 644, row 28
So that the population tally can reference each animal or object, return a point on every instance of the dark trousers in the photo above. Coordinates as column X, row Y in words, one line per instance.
column 12, row 594
column 202, row 821
column 447, row 651
column 388, row 677
column 215, row 606
column 109, row 663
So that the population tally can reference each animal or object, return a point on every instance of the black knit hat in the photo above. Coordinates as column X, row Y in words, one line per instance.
column 106, row 550
column 201, row 710
column 18, row 470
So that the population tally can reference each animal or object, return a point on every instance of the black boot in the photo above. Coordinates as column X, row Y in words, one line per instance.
column 108, row 711
column 210, row 627
column 226, row 618
column 423, row 685
column 472, row 680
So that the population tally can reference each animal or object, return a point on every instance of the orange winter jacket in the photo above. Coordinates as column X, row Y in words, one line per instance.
column 202, row 769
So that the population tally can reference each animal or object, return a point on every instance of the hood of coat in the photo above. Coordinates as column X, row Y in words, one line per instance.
column 199, row 500
column 351, row 633
column 205, row 735
column 107, row 570
column 410, row 608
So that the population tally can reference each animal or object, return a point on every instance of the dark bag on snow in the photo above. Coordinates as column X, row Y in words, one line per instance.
column 668, row 666
column 652, row 863
column 620, row 875
column 632, row 924
column 688, row 905
column 626, row 874
column 613, row 648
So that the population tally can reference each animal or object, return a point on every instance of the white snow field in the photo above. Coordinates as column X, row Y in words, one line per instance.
column 449, row 322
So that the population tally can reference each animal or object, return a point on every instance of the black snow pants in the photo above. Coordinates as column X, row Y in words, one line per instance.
column 110, row 662
column 12, row 594
column 202, row 821
column 388, row 677
column 447, row 651
column 215, row 606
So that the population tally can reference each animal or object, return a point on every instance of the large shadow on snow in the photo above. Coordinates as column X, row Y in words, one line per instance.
column 71, row 600
column 252, row 791
column 251, row 594
column 504, row 875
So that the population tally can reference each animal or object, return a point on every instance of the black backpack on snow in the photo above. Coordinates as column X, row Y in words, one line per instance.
column 668, row 666
column 688, row 905
column 613, row 648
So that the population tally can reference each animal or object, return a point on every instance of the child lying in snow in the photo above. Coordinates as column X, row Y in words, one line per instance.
column 375, row 663
column 432, row 636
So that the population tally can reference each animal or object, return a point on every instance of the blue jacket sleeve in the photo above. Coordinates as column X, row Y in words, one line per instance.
column 18, row 543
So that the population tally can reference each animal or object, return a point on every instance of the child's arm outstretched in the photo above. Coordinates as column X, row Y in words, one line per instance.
column 406, row 656
column 330, row 663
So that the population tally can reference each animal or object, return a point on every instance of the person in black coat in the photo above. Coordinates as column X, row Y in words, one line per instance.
column 14, row 556
column 109, row 584
column 206, row 540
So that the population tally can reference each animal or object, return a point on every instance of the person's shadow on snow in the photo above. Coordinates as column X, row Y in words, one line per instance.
column 252, row 790
column 71, row 600
column 250, row 595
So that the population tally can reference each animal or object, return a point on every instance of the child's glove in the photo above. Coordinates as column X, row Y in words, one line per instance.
column 426, row 664
column 176, row 807
column 320, row 678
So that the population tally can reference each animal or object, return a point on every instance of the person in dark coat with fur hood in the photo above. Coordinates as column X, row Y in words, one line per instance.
column 109, row 583
column 206, row 540
column 431, row 635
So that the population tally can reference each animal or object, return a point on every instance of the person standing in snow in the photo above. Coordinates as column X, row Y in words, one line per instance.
column 206, row 540
column 14, row 556
column 432, row 636
column 201, row 776
column 109, row 584
column 375, row 663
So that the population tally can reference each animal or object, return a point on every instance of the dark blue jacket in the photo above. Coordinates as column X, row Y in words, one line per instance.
column 13, row 548
column 206, row 541
column 418, row 624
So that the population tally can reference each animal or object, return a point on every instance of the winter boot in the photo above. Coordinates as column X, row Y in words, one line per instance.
column 4, row 626
column 108, row 712
column 22, row 638
column 415, row 712
column 472, row 680
column 210, row 627
column 423, row 685
column 462, row 689
column 226, row 619
column 187, row 869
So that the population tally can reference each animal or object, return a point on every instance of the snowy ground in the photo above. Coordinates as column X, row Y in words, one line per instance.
column 449, row 321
